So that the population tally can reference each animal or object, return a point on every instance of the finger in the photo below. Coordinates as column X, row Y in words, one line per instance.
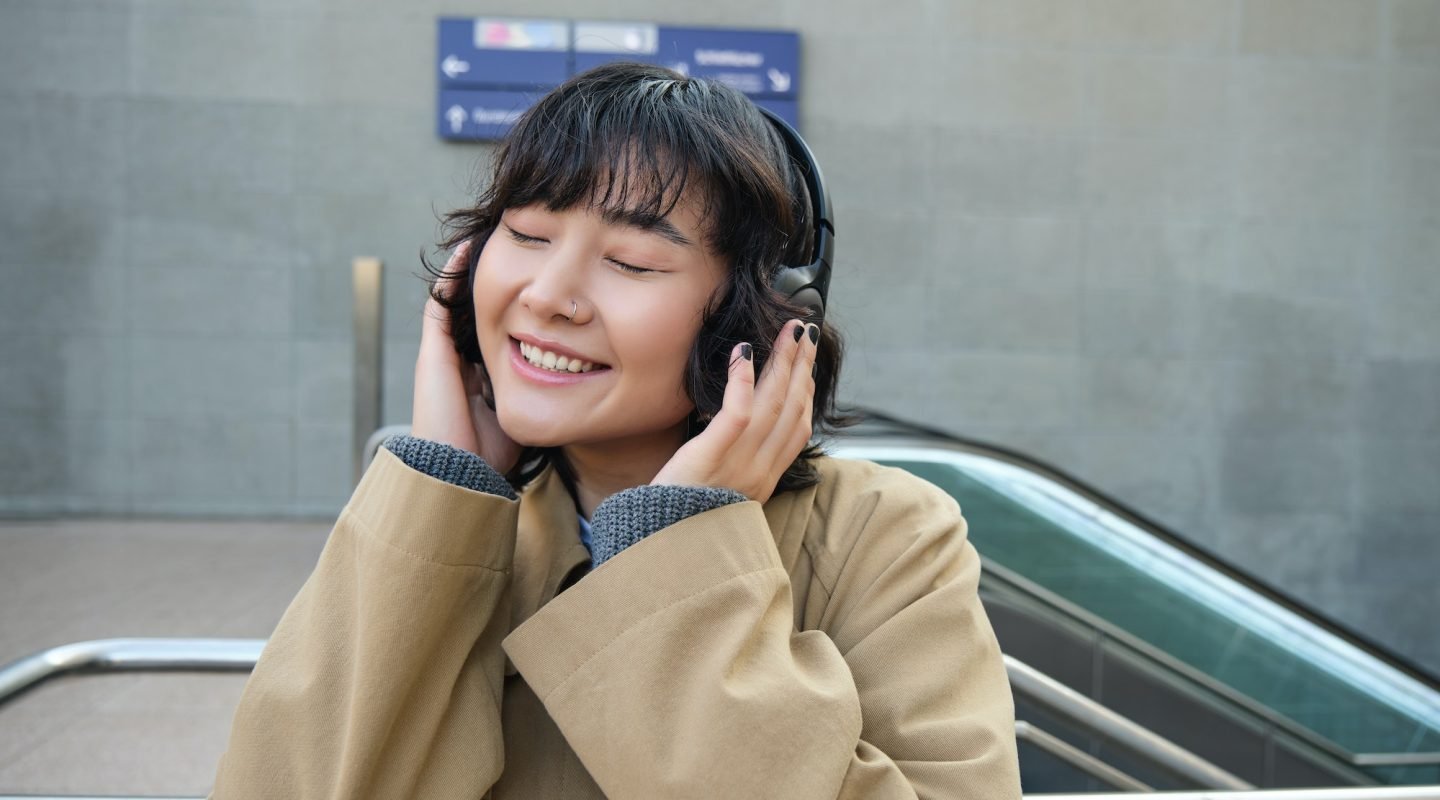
column 737, row 407
column 450, row 278
column 787, row 341
column 437, row 316
column 792, row 427
column 771, row 389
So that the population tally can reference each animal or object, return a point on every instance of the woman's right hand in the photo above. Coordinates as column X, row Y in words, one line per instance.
column 448, row 404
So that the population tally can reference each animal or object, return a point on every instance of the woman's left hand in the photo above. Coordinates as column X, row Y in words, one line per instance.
column 760, row 428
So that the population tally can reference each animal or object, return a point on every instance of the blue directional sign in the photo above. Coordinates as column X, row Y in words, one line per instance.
column 599, row 43
column 492, row 69
column 492, row 53
column 480, row 114
column 758, row 63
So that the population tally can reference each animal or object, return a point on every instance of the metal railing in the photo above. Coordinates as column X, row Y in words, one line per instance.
column 240, row 655
column 1075, row 757
column 128, row 655
column 1059, row 699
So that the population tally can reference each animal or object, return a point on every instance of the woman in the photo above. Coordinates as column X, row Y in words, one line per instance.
column 683, row 600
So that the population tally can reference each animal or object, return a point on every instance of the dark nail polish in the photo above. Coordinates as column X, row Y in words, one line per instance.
column 814, row 334
column 799, row 331
column 746, row 352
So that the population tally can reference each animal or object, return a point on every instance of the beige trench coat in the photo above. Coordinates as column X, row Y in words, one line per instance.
column 830, row 644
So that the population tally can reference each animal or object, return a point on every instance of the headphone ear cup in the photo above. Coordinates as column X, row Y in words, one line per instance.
column 797, row 286
column 809, row 299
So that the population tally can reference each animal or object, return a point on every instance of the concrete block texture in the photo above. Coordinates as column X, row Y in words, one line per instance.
column 1415, row 30
column 1154, row 95
column 212, row 377
column 1410, row 185
column 1149, row 395
column 193, row 146
column 1413, row 118
column 1286, row 395
column 1288, row 473
column 1184, row 249
column 1186, row 27
column 1289, row 101
column 181, row 50
column 1339, row 29
column 73, row 150
column 191, row 466
column 76, row 47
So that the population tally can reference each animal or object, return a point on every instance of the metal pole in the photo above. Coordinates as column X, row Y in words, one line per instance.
column 369, row 364
column 1060, row 699
column 138, row 655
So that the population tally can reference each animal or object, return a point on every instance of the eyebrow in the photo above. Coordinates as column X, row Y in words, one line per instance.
column 646, row 221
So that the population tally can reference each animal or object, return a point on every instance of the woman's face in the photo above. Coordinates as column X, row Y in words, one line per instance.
column 581, row 347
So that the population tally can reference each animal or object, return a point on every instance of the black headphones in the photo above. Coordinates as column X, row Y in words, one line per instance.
column 808, row 285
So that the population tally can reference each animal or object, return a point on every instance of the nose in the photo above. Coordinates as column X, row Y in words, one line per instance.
column 554, row 291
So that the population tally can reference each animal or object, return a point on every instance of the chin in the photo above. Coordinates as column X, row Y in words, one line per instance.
column 528, row 432
column 531, row 431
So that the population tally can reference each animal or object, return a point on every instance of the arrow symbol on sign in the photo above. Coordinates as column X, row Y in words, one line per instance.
column 779, row 81
column 455, row 115
column 453, row 66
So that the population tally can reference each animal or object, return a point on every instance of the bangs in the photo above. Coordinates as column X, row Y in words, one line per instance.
column 622, row 159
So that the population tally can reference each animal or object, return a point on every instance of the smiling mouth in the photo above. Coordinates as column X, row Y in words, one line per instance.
column 553, row 362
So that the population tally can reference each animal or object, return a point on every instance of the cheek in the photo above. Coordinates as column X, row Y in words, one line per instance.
column 661, row 340
column 492, row 292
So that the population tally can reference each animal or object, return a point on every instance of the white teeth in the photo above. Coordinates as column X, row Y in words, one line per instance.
column 555, row 363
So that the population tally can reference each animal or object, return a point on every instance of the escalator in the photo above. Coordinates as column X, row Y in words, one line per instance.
column 1123, row 611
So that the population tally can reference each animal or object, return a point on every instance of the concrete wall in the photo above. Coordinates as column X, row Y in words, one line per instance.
column 1186, row 249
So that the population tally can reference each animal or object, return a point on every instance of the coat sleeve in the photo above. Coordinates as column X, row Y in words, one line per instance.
column 676, row 670
column 383, row 678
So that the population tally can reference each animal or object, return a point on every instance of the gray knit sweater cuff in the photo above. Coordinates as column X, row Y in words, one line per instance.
column 625, row 518
column 450, row 464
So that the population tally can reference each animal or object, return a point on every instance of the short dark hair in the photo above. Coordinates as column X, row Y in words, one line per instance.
column 639, row 137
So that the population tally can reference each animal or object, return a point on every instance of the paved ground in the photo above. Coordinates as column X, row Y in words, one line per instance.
column 71, row 580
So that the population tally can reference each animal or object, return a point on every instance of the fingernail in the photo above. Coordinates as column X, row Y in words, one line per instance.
column 745, row 351
column 799, row 330
column 814, row 333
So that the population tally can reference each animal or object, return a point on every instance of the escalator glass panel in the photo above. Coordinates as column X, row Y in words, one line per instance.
column 1071, row 547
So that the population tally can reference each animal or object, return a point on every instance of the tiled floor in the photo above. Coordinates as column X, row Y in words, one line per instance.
column 139, row 734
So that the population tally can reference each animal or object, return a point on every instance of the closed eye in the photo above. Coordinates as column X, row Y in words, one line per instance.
column 525, row 238
column 633, row 270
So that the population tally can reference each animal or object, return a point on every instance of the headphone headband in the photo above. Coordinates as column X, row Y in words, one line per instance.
column 808, row 285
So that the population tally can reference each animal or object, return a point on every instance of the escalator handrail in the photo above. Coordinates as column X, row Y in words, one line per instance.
column 1160, row 531
column 1160, row 661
